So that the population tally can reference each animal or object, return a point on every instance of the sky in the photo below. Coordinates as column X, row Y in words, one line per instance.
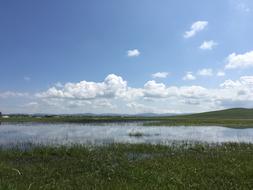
column 116, row 56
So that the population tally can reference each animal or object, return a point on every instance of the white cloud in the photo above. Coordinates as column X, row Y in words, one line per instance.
column 139, row 108
column 133, row 53
column 153, row 89
column 103, row 103
column 243, row 7
column 110, row 87
column 10, row 94
column 160, row 75
column 26, row 78
column 189, row 76
column 238, row 93
column 221, row 73
column 142, row 108
column 230, row 84
column 114, row 95
column 31, row 104
column 195, row 28
column 205, row 72
column 235, row 61
column 208, row 45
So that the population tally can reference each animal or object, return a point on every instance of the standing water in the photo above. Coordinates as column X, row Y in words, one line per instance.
column 96, row 134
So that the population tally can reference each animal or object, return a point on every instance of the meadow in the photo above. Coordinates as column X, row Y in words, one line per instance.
column 125, row 166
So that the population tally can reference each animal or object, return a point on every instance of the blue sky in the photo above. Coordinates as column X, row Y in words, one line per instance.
column 134, row 56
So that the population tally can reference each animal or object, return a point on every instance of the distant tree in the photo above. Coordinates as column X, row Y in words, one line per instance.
column 0, row 114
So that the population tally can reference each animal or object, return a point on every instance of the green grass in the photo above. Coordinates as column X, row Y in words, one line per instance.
column 72, row 119
column 234, row 113
column 228, row 166
column 135, row 134
column 233, row 123
column 236, row 117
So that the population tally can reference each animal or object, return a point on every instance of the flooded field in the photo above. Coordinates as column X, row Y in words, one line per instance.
column 107, row 133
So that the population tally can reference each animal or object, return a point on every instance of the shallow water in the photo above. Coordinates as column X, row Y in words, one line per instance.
column 97, row 134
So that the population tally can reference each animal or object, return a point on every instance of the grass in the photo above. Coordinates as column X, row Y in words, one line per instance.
column 74, row 119
column 182, row 121
column 237, row 117
column 135, row 134
column 124, row 166
column 234, row 113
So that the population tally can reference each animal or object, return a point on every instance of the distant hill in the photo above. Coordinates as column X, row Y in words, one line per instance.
column 94, row 115
column 234, row 113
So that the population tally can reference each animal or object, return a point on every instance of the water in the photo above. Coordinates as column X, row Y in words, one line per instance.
column 97, row 134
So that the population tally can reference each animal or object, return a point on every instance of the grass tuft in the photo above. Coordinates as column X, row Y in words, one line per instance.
column 136, row 134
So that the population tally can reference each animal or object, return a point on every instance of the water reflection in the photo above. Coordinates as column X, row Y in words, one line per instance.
column 63, row 134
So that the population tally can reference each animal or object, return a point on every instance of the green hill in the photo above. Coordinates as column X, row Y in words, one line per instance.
column 234, row 113
column 235, row 117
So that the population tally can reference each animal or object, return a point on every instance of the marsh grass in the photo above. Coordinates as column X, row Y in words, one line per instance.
column 136, row 134
column 125, row 166
column 232, row 123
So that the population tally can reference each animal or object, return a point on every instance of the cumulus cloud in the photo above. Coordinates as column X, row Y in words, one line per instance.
column 133, row 53
column 239, row 61
column 189, row 76
column 205, row 72
column 160, row 75
column 235, row 93
column 114, row 95
column 110, row 87
column 195, row 28
column 208, row 45
column 153, row 89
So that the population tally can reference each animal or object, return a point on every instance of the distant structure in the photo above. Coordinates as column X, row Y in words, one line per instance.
column 0, row 114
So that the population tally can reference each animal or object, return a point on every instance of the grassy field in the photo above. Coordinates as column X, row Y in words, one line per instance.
column 237, row 117
column 118, row 166
column 235, row 113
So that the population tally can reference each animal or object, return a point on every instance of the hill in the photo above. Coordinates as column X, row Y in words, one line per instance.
column 234, row 113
